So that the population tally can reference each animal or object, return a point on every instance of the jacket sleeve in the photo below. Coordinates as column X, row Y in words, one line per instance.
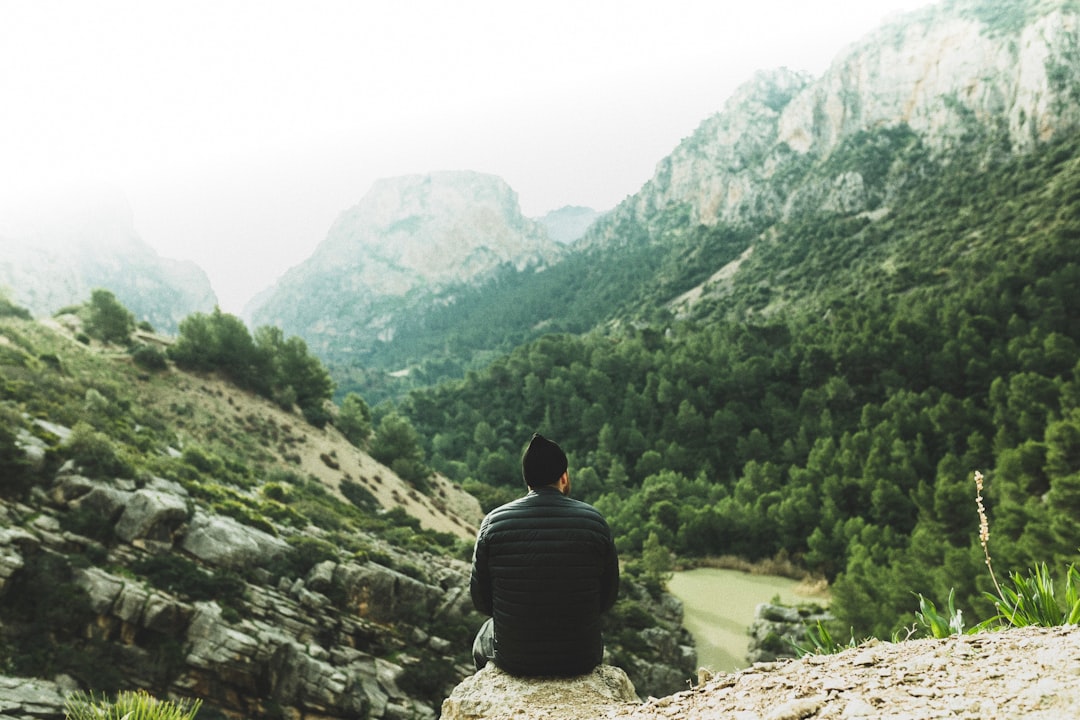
column 610, row 582
column 480, row 577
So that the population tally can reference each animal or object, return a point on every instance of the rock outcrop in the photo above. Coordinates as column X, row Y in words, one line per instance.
column 171, row 597
column 31, row 699
column 778, row 629
column 492, row 694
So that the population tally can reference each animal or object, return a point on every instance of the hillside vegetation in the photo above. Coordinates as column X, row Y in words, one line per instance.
column 831, row 402
column 150, row 516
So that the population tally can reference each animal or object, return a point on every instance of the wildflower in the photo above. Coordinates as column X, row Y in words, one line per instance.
column 984, row 528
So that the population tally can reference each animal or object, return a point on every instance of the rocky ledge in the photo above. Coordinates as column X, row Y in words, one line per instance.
column 1033, row 673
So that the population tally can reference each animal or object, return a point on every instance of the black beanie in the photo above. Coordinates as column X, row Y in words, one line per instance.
column 543, row 463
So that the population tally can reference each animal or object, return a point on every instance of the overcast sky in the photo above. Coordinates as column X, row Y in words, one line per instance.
column 239, row 130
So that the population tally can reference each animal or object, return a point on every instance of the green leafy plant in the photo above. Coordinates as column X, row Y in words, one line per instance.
column 821, row 642
column 137, row 705
column 936, row 624
column 1031, row 600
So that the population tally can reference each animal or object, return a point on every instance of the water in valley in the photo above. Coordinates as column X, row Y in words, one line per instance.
column 719, row 606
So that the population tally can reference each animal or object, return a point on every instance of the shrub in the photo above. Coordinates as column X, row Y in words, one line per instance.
column 149, row 358
column 307, row 552
column 15, row 469
column 10, row 309
column 107, row 319
column 96, row 454
column 137, row 705
column 359, row 495
column 89, row 522
column 180, row 576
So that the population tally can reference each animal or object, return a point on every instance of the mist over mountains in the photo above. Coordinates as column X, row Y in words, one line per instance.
column 52, row 258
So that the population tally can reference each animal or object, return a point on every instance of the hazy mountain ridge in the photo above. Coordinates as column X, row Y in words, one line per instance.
column 407, row 242
column 54, row 257
column 568, row 224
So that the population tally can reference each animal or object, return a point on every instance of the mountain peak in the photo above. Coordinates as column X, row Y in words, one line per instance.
column 415, row 236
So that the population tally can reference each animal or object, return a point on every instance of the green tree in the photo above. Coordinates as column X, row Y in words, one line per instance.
column 354, row 419
column 396, row 444
column 295, row 375
column 658, row 562
column 107, row 319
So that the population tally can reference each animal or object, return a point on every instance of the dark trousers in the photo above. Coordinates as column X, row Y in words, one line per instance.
column 483, row 648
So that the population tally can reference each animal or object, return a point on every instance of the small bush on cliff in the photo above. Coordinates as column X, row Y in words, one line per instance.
column 14, row 468
column 149, row 358
column 178, row 575
column 96, row 453
column 137, row 705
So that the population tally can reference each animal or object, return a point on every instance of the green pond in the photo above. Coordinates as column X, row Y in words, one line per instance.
column 719, row 608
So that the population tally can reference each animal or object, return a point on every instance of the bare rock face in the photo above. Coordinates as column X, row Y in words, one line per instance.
column 31, row 698
column 492, row 694
column 946, row 73
column 151, row 516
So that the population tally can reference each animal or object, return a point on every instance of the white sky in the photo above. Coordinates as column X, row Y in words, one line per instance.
column 239, row 130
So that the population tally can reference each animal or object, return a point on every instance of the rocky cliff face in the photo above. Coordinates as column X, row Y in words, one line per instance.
column 54, row 257
column 401, row 248
column 951, row 74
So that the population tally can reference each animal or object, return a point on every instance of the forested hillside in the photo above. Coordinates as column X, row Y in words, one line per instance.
column 832, row 400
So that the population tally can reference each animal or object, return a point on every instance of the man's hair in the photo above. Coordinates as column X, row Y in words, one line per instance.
column 543, row 463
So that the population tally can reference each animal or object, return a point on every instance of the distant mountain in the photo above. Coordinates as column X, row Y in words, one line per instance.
column 54, row 257
column 410, row 244
column 567, row 224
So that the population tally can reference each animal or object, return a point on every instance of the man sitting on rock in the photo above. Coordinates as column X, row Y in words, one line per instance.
column 545, row 569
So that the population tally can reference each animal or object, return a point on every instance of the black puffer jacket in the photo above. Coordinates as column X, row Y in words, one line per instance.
column 545, row 568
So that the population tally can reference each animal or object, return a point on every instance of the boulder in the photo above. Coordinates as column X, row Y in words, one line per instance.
column 492, row 694
column 223, row 542
column 31, row 698
column 381, row 594
column 778, row 629
column 151, row 516
column 14, row 542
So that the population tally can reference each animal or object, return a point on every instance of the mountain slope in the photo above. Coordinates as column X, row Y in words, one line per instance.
column 829, row 389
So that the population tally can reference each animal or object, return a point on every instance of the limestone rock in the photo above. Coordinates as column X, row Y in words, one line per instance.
column 385, row 595
column 31, row 698
column 776, row 630
column 13, row 542
column 224, row 542
column 492, row 694
column 151, row 515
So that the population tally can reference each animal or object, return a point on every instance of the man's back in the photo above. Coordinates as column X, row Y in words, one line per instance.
column 545, row 568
